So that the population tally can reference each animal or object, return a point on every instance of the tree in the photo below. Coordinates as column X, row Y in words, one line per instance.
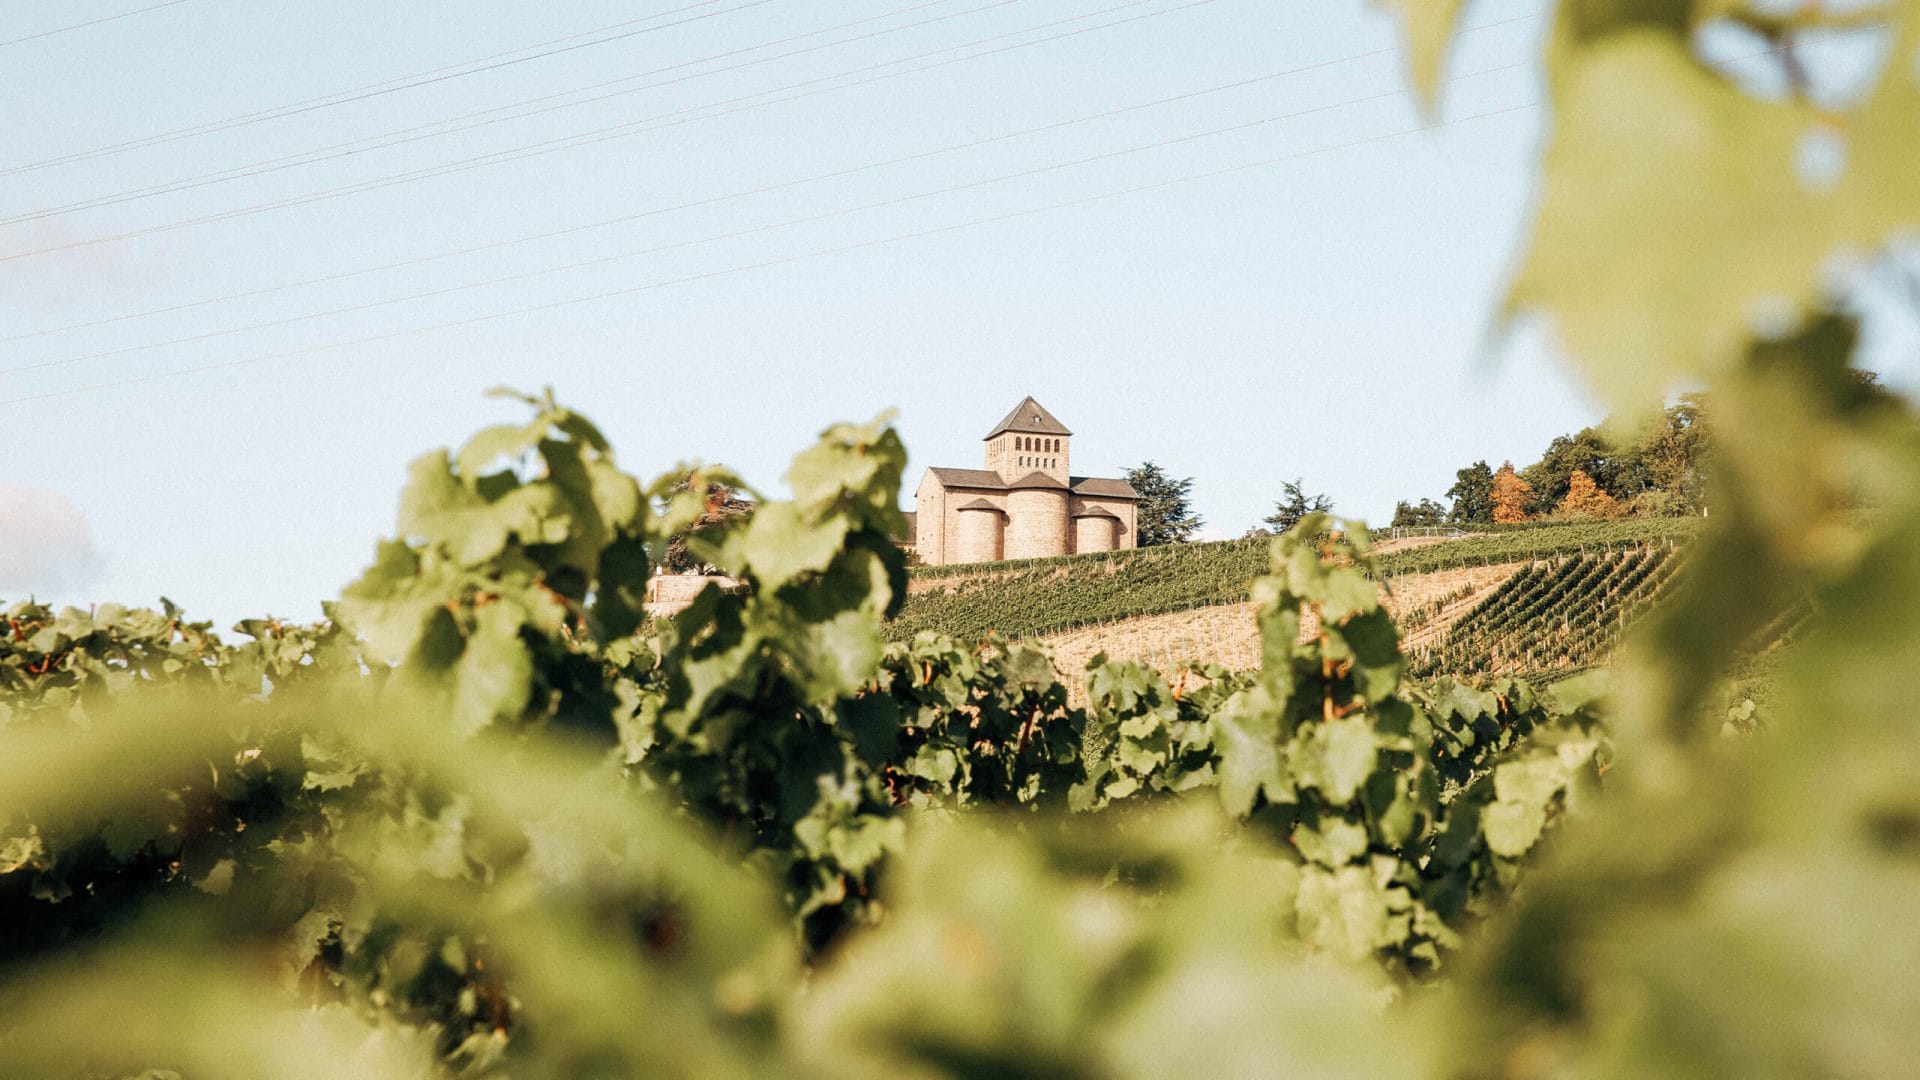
column 722, row 502
column 1295, row 505
column 1165, row 509
column 1511, row 495
column 1585, row 498
column 1471, row 495
column 1427, row 514
column 1674, row 453
column 1616, row 469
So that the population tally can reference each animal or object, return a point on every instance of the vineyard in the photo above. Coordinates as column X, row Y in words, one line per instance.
column 487, row 820
column 1564, row 612
column 1041, row 597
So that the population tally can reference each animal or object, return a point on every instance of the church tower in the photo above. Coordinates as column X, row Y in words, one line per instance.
column 1029, row 440
column 1026, row 504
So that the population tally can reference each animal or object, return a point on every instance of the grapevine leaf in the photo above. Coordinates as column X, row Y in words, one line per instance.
column 1512, row 827
column 494, row 674
column 1247, row 738
column 492, row 445
column 1426, row 28
column 1690, row 267
column 1337, row 757
column 1343, row 911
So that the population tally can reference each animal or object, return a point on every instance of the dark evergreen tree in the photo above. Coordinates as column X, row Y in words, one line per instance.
column 1165, row 510
column 1295, row 504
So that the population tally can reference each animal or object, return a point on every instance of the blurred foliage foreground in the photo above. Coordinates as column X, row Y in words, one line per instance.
column 485, row 821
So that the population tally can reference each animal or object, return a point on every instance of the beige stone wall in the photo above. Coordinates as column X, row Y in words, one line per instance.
column 1000, row 456
column 981, row 533
column 950, row 527
column 670, row 594
column 930, row 506
column 1036, row 523
column 1014, row 456
column 1124, row 509
column 1093, row 534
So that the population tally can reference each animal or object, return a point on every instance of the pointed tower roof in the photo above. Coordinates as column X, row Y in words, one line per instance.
column 1029, row 418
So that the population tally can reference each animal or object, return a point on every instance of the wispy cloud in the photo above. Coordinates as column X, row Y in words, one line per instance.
column 64, row 279
column 46, row 544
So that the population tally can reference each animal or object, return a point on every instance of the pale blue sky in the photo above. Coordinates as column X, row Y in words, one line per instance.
column 1324, row 316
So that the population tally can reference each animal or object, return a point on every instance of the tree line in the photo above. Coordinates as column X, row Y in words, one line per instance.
column 1659, row 470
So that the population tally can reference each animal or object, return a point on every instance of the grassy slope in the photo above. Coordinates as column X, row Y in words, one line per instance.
column 1048, row 595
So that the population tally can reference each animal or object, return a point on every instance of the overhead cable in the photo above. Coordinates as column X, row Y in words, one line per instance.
column 744, row 193
column 620, row 131
column 376, row 89
column 764, row 264
column 373, row 142
column 89, row 22
column 735, row 234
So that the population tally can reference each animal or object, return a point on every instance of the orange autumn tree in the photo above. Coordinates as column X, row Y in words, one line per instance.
column 1585, row 498
column 1511, row 495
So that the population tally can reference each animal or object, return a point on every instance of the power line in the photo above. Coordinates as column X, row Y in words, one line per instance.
column 90, row 22
column 765, row 189
column 374, row 89
column 354, row 146
column 637, row 127
column 767, row 263
column 736, row 234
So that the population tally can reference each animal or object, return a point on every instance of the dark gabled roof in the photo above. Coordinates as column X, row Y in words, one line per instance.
column 984, row 479
column 988, row 480
column 1097, row 512
column 1037, row 479
column 1103, row 487
column 1030, row 418
column 978, row 504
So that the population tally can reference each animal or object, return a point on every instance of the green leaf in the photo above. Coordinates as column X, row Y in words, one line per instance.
column 388, row 607
column 1511, row 828
column 1343, row 911
column 494, row 675
column 1691, row 267
column 1426, row 29
column 1337, row 757
column 780, row 544
column 493, row 445
column 1332, row 841
column 1247, row 738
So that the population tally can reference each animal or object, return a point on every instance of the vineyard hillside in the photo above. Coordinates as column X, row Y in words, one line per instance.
column 1056, row 598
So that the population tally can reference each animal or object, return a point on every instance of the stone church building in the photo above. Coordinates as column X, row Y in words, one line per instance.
column 1025, row 504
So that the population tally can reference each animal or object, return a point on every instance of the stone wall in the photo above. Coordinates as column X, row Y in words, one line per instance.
column 1124, row 509
column 930, row 522
column 1094, row 533
column 981, row 535
column 1037, row 523
column 671, row 594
